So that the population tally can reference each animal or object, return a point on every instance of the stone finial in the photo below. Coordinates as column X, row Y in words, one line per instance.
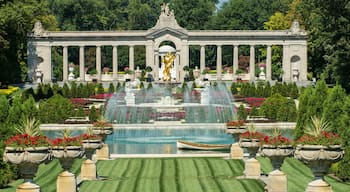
column 166, row 18
column 295, row 28
column 38, row 29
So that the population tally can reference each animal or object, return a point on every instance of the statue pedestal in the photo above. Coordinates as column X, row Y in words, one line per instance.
column 252, row 169
column 277, row 182
column 28, row 187
column 66, row 182
column 236, row 151
column 318, row 186
column 103, row 153
column 88, row 170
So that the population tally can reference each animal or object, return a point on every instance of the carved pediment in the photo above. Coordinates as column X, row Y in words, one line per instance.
column 153, row 34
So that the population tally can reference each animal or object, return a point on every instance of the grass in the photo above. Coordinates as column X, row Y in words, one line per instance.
column 177, row 174
column 172, row 174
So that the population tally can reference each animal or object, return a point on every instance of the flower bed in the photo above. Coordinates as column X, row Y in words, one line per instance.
column 277, row 140
column 102, row 96
column 254, row 101
column 25, row 140
column 326, row 138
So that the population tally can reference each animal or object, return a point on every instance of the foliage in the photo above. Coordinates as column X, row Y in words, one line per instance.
column 93, row 114
column 4, row 108
column 344, row 132
column 278, row 108
column 242, row 113
column 111, row 88
column 66, row 141
column 29, row 127
column 55, row 110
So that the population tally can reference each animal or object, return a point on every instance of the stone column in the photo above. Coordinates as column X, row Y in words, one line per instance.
column 235, row 59
column 184, row 58
column 268, row 63
column 286, row 63
column 98, row 62
column 131, row 57
column 177, row 66
column 65, row 63
column 252, row 63
column 150, row 54
column 202, row 58
column 115, row 62
column 156, row 67
column 81, row 63
column 218, row 62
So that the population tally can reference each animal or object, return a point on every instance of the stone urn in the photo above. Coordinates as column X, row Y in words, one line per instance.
column 276, row 153
column 319, row 157
column 90, row 147
column 236, row 131
column 252, row 146
column 28, row 159
column 67, row 154
column 102, row 132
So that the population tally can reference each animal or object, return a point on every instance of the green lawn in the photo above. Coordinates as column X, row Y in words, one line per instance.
column 176, row 175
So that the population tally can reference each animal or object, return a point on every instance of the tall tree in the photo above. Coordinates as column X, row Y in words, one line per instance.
column 17, row 19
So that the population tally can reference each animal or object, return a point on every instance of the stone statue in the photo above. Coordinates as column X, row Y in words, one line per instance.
column 168, row 60
column 38, row 29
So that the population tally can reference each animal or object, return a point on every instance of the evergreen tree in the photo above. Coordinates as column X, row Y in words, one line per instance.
column 111, row 88
column 73, row 90
column 294, row 91
column 56, row 88
column 267, row 89
column 55, row 110
column 4, row 108
column 287, row 111
column 39, row 92
column 303, row 116
column 233, row 88
column 317, row 99
column 344, row 132
column 29, row 108
column 80, row 91
column 333, row 107
column 80, row 112
column 100, row 89
column 65, row 91
column 15, row 112
column 242, row 113
column 93, row 116
column 260, row 90
column 254, row 111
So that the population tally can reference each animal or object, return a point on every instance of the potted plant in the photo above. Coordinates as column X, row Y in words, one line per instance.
column 318, row 147
column 67, row 148
column 251, row 140
column 90, row 143
column 102, row 128
column 277, row 148
column 28, row 148
column 236, row 127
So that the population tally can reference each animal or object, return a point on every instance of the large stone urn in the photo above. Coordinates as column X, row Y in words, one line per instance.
column 319, row 158
column 252, row 146
column 67, row 154
column 28, row 160
column 276, row 153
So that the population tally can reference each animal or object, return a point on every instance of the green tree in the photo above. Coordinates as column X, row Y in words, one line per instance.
column 287, row 111
column 344, row 165
column 242, row 113
column 111, row 88
column 100, row 89
column 271, row 106
column 333, row 107
column 303, row 116
column 55, row 110
column 4, row 108
column 93, row 116
column 18, row 18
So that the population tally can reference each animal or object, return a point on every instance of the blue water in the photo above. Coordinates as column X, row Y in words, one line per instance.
column 157, row 140
column 161, row 140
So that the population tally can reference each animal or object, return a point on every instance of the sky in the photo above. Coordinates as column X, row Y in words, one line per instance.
column 220, row 3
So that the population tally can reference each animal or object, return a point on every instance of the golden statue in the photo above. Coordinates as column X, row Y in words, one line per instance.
column 168, row 60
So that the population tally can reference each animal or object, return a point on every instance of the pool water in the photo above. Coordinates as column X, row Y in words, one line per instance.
column 162, row 140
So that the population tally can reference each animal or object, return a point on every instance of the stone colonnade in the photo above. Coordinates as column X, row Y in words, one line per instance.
column 293, row 41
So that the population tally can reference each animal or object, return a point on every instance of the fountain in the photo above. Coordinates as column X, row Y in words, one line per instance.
column 168, row 102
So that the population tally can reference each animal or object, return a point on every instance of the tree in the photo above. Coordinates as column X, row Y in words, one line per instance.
column 4, row 108
column 93, row 116
column 303, row 116
column 241, row 113
column 333, row 107
column 111, row 88
column 272, row 105
column 18, row 18
column 55, row 110
column 344, row 165
column 193, row 14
